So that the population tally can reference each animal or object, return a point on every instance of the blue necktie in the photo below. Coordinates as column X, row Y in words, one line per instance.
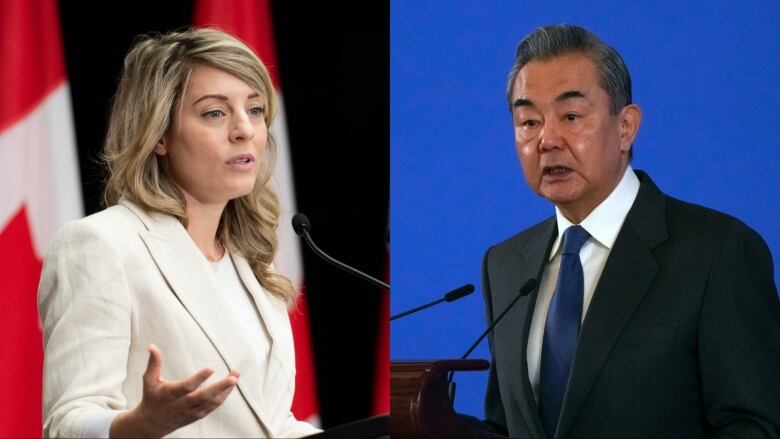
column 561, row 329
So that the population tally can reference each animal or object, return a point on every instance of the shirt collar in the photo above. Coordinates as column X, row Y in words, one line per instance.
column 606, row 220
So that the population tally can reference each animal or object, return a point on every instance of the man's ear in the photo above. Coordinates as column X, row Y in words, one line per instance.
column 161, row 148
column 630, row 118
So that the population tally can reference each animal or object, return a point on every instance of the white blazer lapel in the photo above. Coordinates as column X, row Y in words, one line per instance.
column 281, row 365
column 188, row 274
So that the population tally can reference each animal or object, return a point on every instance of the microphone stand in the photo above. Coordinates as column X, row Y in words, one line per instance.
column 529, row 286
column 345, row 267
column 452, row 296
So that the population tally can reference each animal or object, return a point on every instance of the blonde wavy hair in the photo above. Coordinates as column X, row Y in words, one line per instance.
column 155, row 75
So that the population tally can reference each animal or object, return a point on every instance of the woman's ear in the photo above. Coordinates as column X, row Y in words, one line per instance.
column 161, row 148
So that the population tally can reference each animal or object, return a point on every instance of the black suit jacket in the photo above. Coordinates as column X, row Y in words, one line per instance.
column 681, row 339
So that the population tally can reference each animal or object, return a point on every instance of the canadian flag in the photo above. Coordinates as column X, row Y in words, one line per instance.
column 251, row 22
column 39, row 192
column 381, row 400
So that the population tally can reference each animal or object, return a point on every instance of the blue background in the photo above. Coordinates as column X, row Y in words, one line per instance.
column 706, row 75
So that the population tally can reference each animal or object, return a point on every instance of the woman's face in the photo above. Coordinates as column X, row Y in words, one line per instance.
column 217, row 137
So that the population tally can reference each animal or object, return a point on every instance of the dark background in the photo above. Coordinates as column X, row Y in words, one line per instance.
column 334, row 69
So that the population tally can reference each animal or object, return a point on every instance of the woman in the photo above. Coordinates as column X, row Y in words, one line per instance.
column 180, row 264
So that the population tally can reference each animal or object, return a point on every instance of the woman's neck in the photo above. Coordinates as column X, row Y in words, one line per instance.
column 203, row 220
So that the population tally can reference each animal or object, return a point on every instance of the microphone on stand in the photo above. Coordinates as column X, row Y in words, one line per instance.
column 301, row 225
column 526, row 289
column 452, row 296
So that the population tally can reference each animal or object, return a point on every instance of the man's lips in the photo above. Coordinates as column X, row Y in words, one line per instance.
column 555, row 171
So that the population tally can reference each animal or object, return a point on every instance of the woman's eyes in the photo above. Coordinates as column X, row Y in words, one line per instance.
column 216, row 114
column 256, row 111
column 213, row 114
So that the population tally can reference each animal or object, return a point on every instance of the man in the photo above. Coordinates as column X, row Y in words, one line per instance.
column 653, row 317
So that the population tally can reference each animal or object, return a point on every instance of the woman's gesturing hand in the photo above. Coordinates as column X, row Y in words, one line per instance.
column 169, row 405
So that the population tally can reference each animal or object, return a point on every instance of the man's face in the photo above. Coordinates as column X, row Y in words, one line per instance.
column 573, row 151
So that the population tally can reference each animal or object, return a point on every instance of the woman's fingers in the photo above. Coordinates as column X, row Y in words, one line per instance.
column 222, row 396
column 213, row 394
column 152, row 374
column 168, row 405
column 190, row 384
column 187, row 391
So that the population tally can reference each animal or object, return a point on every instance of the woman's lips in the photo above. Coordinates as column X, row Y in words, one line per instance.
column 241, row 162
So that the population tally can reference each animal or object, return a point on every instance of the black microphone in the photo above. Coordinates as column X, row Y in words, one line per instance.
column 301, row 225
column 452, row 296
column 526, row 289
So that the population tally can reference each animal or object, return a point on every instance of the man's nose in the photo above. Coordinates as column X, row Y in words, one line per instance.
column 550, row 136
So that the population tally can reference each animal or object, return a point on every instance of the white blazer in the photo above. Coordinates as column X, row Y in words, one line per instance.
column 114, row 282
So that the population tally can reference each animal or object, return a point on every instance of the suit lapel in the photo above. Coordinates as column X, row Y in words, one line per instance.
column 628, row 274
column 273, row 315
column 526, row 262
column 177, row 257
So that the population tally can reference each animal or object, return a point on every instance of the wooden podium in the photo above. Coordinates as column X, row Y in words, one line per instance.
column 419, row 400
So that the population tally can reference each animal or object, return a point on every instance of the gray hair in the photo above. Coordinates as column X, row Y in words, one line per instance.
column 558, row 39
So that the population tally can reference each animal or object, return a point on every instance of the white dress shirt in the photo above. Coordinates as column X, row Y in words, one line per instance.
column 603, row 224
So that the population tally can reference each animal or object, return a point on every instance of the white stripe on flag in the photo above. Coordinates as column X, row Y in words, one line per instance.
column 39, row 168
column 288, row 255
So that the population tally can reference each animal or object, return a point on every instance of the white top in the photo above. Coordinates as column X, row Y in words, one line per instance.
column 603, row 224
column 239, row 302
